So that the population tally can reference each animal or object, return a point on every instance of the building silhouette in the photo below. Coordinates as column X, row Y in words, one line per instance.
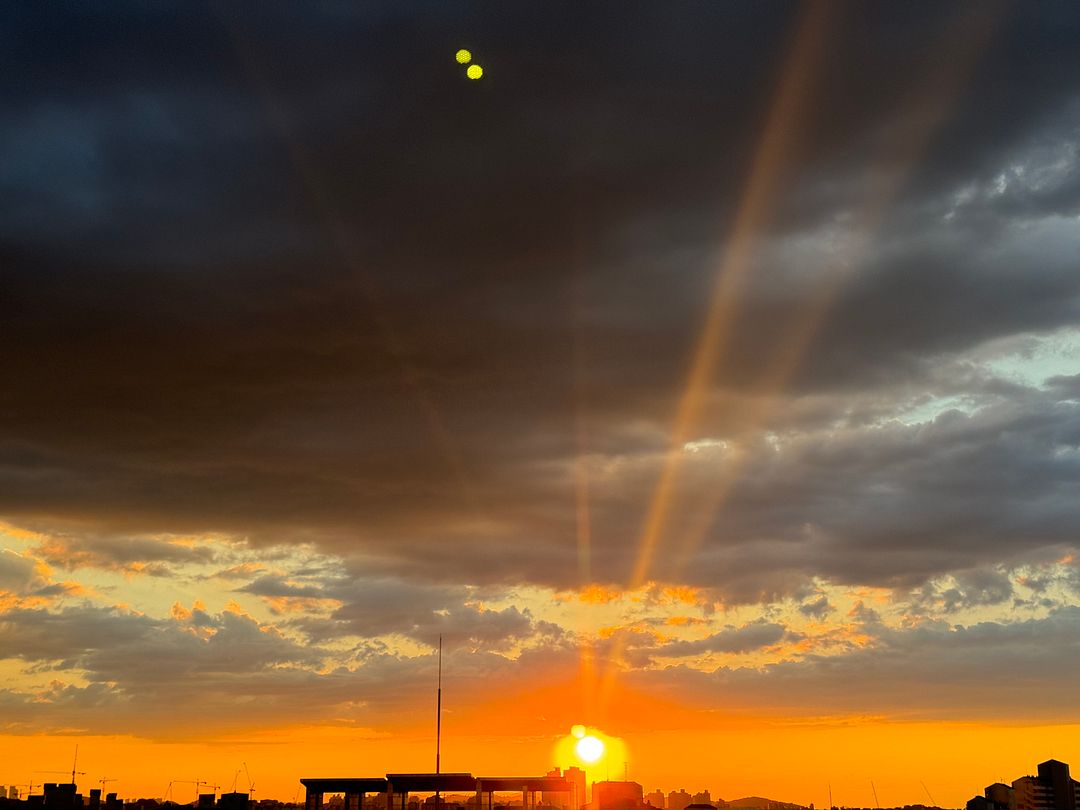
column 573, row 798
column 678, row 800
column 610, row 795
column 656, row 799
column 393, row 790
column 233, row 801
column 1052, row 789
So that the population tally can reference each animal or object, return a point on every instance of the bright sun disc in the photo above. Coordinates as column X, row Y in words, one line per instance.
column 589, row 748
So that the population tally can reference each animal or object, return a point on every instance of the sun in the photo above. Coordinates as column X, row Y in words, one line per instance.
column 589, row 749
column 587, row 745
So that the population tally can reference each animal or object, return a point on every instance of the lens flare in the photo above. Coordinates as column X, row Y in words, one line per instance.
column 578, row 731
column 474, row 72
column 589, row 749
column 463, row 56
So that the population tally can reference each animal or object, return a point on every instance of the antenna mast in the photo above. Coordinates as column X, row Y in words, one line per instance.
column 438, row 712
column 438, row 728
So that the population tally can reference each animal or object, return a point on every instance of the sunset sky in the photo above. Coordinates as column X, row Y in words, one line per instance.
column 706, row 373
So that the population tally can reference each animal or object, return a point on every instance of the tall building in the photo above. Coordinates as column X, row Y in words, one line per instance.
column 1063, row 788
column 678, row 799
column 1052, row 789
column 702, row 798
column 60, row 796
column 575, row 797
column 233, row 801
column 656, row 799
column 576, row 777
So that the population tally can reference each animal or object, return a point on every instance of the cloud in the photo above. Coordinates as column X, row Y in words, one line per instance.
column 285, row 279
column 990, row 671
column 731, row 639
column 135, row 555
column 817, row 608
column 19, row 574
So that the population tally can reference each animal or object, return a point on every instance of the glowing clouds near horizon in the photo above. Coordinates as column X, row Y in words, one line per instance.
column 589, row 746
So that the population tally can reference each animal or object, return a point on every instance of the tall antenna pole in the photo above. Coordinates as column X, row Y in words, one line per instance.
column 438, row 726
column 438, row 712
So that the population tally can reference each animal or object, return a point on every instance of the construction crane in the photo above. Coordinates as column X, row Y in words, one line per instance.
column 251, row 785
column 74, row 764
column 928, row 794
column 66, row 773
column 104, row 780
column 200, row 783
column 29, row 788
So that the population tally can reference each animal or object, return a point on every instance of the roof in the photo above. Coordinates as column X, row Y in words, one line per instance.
column 430, row 782
column 345, row 785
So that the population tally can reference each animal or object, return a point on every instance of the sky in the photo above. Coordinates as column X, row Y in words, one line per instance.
column 705, row 373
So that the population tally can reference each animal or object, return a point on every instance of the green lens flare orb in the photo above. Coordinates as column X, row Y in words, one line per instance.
column 463, row 56
column 474, row 72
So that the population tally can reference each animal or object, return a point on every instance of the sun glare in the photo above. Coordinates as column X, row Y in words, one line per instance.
column 587, row 745
column 589, row 749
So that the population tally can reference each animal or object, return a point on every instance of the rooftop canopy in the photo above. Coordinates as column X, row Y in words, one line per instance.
column 345, row 785
column 430, row 782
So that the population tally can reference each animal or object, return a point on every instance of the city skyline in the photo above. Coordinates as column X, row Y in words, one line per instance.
column 1051, row 788
column 704, row 377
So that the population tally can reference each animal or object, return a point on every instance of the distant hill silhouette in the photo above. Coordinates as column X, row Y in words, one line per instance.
column 761, row 803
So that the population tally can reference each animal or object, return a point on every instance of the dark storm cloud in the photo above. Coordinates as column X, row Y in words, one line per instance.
column 292, row 278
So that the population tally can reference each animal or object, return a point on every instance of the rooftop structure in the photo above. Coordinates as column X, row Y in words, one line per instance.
column 396, row 787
